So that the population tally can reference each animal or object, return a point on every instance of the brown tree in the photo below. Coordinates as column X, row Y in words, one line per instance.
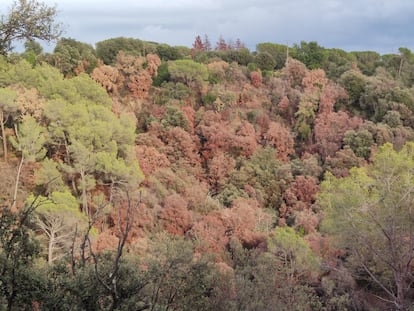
column 109, row 77
column 221, row 44
column 281, row 138
column 139, row 84
column 219, row 168
column 198, row 46
column 256, row 78
column 330, row 129
column 174, row 216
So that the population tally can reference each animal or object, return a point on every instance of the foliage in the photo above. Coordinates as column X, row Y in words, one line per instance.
column 187, row 72
column 107, row 50
column 369, row 213
column 166, row 52
column 21, row 281
column 73, row 57
column 265, row 61
column 8, row 107
column 262, row 280
column 277, row 51
column 229, row 153
column 309, row 53
column 360, row 142
column 30, row 140
column 367, row 61
column 28, row 20
column 262, row 177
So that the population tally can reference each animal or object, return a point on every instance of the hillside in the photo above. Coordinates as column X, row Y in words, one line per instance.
column 141, row 176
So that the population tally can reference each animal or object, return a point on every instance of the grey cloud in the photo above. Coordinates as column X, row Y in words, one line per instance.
column 381, row 25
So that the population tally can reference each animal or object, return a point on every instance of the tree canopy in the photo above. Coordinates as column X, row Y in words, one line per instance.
column 28, row 20
column 370, row 214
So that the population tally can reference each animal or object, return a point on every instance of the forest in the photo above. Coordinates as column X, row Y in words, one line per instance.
column 142, row 176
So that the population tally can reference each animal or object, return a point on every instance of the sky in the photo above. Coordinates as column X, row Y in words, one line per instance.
column 351, row 25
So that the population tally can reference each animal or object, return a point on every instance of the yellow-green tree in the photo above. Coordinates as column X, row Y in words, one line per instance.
column 29, row 142
column 58, row 217
column 370, row 214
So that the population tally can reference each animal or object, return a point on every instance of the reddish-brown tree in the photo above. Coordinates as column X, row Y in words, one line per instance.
column 330, row 129
column 281, row 138
column 239, row 44
column 181, row 147
column 108, row 77
column 150, row 159
column 221, row 44
column 219, row 168
column 244, row 139
column 256, row 78
column 331, row 93
column 153, row 62
column 198, row 44
column 244, row 220
column 294, row 72
column 174, row 216
column 139, row 84
column 314, row 80
column 301, row 194
column 206, row 43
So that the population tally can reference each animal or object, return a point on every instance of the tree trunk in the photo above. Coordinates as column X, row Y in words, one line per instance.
column 400, row 284
column 84, row 197
column 50, row 247
column 3, row 136
column 400, row 68
column 16, row 186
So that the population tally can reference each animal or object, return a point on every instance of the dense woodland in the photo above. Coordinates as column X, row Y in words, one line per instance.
column 142, row 176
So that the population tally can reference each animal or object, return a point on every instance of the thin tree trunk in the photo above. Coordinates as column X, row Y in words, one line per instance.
column 16, row 186
column 3, row 136
column 84, row 197
column 50, row 247
column 400, row 68
column 399, row 280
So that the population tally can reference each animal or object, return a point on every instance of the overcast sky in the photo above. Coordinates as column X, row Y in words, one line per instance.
column 378, row 25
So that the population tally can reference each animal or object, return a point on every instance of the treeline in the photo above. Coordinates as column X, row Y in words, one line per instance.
column 72, row 56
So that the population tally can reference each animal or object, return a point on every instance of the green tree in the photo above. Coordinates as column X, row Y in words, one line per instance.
column 367, row 61
column 370, row 214
column 274, row 280
column 188, row 72
column 107, row 50
column 166, row 52
column 360, row 142
column 98, row 145
column 242, row 56
column 28, row 20
column 29, row 142
column 309, row 53
column 296, row 257
column 73, row 57
column 32, row 51
column 20, row 282
column 279, row 52
column 265, row 61
column 336, row 62
column 178, row 281
column 58, row 217
column 264, row 173
column 48, row 178
column 355, row 84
